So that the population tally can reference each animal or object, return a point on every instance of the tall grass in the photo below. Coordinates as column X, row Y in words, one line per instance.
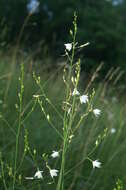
column 47, row 115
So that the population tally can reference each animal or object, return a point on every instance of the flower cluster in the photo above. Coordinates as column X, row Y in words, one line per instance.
column 53, row 172
column 84, row 99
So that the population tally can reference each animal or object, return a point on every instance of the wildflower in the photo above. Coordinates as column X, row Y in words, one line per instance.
column 113, row 130
column 96, row 164
column 97, row 112
column 38, row 174
column 83, row 99
column 55, row 154
column 32, row 6
column 68, row 46
column 53, row 173
column 75, row 92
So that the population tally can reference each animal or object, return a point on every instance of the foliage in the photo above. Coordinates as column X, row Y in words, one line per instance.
column 38, row 135
column 32, row 122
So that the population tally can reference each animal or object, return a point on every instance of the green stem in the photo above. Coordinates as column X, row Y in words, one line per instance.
column 19, row 124
column 66, row 123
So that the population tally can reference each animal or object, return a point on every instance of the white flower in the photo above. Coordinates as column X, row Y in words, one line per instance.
column 113, row 130
column 53, row 173
column 97, row 112
column 32, row 6
column 83, row 99
column 38, row 174
column 55, row 154
column 68, row 46
column 96, row 164
column 75, row 92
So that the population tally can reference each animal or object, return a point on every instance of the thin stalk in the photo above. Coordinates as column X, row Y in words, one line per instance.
column 49, row 101
column 19, row 123
column 49, row 121
column 30, row 112
column 15, row 54
column 66, row 124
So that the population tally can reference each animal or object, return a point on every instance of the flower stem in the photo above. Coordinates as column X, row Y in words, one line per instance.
column 19, row 123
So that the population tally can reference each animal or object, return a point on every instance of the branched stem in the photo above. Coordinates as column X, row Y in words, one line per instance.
column 66, row 122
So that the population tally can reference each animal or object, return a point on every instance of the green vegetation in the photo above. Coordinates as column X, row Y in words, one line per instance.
column 43, row 139
column 58, row 130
